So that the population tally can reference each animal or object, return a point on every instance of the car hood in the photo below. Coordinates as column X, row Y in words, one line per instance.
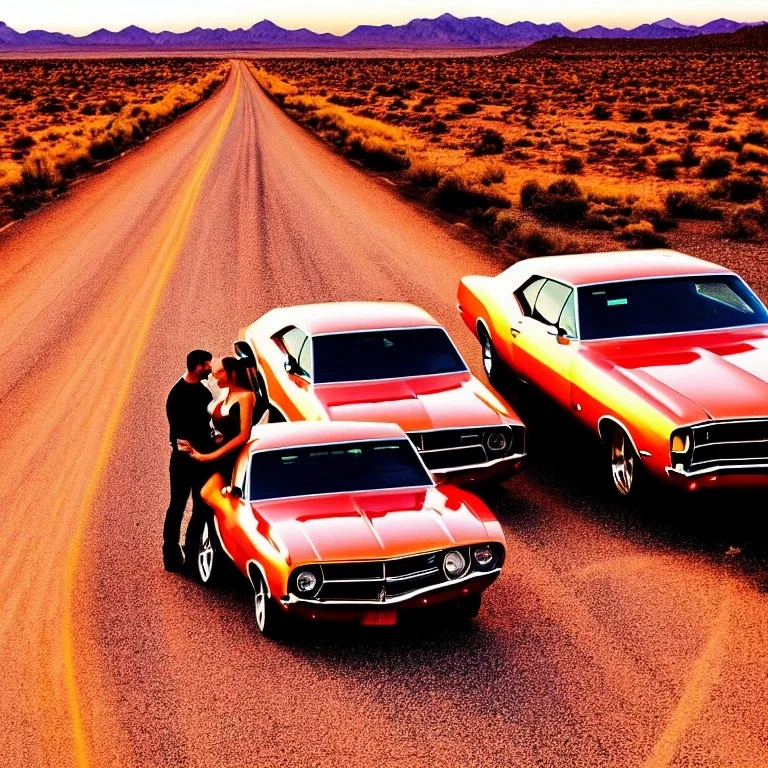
column 367, row 525
column 430, row 402
column 700, row 376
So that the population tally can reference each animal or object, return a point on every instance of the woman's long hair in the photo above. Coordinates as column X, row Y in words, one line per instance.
column 236, row 369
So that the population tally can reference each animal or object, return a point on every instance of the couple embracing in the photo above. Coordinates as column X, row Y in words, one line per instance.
column 210, row 414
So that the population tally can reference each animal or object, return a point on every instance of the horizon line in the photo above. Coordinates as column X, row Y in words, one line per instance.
column 378, row 26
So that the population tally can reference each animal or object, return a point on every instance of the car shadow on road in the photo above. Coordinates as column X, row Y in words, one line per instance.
column 567, row 466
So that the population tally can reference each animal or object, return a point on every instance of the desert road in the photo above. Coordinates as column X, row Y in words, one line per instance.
column 617, row 636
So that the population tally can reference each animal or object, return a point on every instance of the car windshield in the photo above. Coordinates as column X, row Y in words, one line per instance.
column 392, row 354
column 667, row 305
column 336, row 468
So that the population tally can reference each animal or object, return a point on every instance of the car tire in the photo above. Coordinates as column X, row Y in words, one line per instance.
column 213, row 565
column 494, row 368
column 627, row 471
column 271, row 621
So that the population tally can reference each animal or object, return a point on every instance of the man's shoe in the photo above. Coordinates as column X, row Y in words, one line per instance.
column 173, row 562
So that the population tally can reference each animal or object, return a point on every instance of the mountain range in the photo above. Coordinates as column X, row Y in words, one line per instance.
column 446, row 31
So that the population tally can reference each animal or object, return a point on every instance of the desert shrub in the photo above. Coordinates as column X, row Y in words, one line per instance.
column 51, row 106
column 563, row 201
column 637, row 115
column 599, row 222
column 699, row 124
column 601, row 111
column 541, row 241
column 691, row 205
column 23, row 141
column 505, row 225
column 742, row 189
column 667, row 165
column 752, row 153
column 663, row 112
column 572, row 164
column 530, row 191
column 38, row 173
column 748, row 223
column 715, row 167
column 438, row 127
column 377, row 153
column 490, row 142
column 659, row 217
column 759, row 137
column 642, row 235
column 454, row 193
column 20, row 93
column 468, row 108
column 346, row 100
column 424, row 176
column 761, row 110
column 494, row 173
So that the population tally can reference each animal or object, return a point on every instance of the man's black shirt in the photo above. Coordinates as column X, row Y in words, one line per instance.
column 187, row 410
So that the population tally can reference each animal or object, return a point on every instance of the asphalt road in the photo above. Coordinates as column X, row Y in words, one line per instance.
column 617, row 636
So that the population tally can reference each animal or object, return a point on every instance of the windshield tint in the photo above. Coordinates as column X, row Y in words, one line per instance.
column 668, row 305
column 390, row 354
column 336, row 468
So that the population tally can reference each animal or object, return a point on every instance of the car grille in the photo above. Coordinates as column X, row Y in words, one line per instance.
column 730, row 444
column 451, row 448
column 377, row 580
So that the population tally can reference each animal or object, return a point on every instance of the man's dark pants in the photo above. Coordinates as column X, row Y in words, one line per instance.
column 187, row 476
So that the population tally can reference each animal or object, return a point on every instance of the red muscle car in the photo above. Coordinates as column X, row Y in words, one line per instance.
column 385, row 362
column 665, row 356
column 342, row 521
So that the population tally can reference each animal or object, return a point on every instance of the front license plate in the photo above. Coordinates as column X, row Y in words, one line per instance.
column 380, row 619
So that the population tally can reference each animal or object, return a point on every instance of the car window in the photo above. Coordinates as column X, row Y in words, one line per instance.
column 308, row 470
column 387, row 354
column 667, row 305
column 293, row 340
column 528, row 292
column 298, row 346
column 550, row 302
column 305, row 356
column 567, row 321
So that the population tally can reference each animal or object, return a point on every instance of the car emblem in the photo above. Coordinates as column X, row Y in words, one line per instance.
column 383, row 594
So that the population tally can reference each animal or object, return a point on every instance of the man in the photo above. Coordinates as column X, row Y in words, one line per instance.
column 188, row 419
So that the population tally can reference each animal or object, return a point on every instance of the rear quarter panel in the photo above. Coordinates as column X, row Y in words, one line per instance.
column 490, row 301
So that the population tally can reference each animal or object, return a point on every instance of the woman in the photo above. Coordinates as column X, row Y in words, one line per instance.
column 232, row 416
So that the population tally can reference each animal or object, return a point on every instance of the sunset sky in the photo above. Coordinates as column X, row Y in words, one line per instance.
column 339, row 16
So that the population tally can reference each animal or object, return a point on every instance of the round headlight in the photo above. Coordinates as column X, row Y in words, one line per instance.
column 483, row 556
column 306, row 581
column 496, row 441
column 454, row 564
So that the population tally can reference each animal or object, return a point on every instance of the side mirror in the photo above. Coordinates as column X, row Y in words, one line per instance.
column 232, row 492
column 562, row 337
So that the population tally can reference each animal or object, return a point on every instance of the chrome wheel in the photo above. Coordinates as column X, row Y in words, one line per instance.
column 205, row 554
column 487, row 355
column 260, row 603
column 622, row 462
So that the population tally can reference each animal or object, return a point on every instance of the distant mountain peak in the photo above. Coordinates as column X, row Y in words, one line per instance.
column 446, row 31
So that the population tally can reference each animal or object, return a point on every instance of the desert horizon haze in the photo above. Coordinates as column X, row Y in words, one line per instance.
column 337, row 17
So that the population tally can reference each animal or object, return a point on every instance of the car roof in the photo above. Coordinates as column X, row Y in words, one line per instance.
column 588, row 268
column 296, row 433
column 343, row 316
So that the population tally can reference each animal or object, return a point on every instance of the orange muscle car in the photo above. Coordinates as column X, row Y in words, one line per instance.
column 384, row 362
column 342, row 521
column 665, row 356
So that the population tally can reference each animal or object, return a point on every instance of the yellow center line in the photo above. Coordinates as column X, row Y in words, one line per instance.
column 169, row 251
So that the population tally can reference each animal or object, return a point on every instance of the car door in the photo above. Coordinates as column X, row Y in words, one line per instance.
column 544, row 337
